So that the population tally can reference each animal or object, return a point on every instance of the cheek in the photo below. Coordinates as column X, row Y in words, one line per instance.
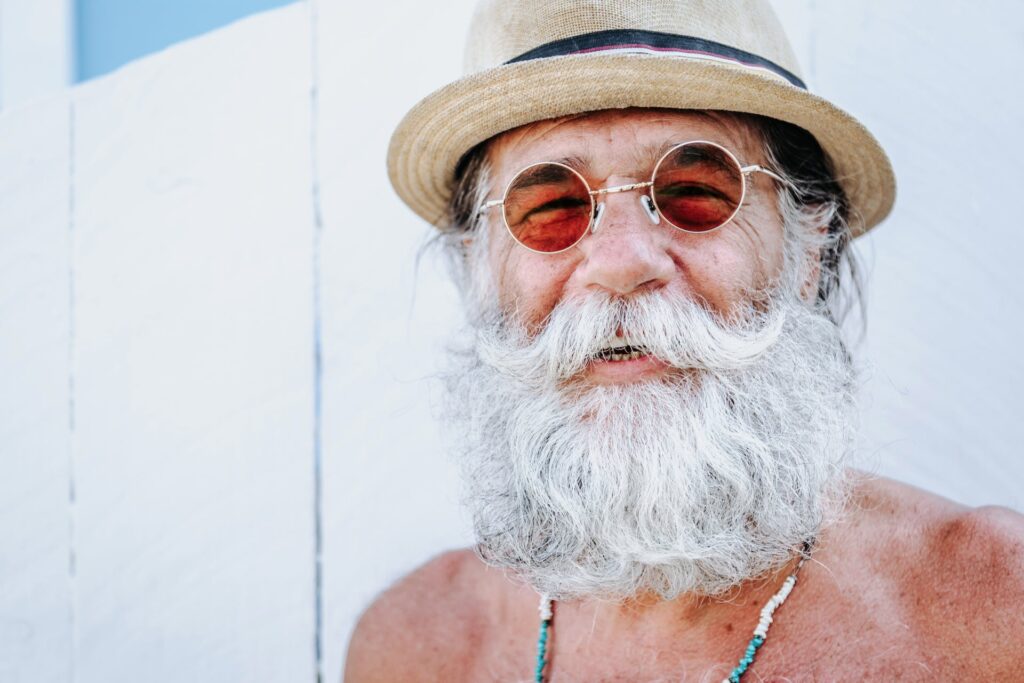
column 767, row 242
column 529, row 284
column 719, row 277
column 725, row 268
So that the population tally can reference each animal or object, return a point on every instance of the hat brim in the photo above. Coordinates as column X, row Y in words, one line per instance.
column 434, row 135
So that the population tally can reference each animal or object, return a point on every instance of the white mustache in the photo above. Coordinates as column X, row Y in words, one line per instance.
column 676, row 330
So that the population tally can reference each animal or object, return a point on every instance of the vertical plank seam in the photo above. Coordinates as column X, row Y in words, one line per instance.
column 72, row 493
column 317, row 343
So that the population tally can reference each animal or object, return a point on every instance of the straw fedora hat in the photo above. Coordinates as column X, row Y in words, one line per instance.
column 530, row 60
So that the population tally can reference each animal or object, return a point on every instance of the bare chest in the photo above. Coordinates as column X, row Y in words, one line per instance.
column 843, row 650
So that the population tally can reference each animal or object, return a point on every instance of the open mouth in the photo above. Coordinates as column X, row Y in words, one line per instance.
column 620, row 353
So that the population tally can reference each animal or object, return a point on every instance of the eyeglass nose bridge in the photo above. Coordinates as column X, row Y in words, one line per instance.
column 622, row 188
column 645, row 201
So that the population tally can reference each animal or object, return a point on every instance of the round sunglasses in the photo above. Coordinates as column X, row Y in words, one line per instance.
column 696, row 186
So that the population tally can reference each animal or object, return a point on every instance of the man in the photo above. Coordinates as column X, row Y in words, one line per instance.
column 649, row 217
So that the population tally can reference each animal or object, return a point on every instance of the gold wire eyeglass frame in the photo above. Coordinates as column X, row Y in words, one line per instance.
column 647, row 200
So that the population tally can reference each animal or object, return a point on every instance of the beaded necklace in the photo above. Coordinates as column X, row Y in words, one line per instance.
column 760, row 633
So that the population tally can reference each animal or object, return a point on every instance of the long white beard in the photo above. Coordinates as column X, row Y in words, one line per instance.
column 696, row 481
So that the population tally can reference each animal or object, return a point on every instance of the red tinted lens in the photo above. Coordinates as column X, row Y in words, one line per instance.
column 548, row 207
column 698, row 186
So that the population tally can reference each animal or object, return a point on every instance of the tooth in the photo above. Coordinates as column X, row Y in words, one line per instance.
column 614, row 341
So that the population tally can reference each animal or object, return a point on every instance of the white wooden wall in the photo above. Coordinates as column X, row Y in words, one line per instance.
column 217, row 436
column 36, row 49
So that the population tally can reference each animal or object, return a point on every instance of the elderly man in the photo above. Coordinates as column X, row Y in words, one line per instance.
column 649, row 216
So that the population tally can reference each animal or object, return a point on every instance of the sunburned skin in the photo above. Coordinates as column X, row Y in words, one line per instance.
column 909, row 587
column 906, row 586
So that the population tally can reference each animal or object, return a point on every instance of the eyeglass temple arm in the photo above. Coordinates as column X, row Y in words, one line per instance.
column 771, row 174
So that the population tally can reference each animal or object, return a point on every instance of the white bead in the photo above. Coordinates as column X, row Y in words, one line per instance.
column 768, row 610
column 545, row 608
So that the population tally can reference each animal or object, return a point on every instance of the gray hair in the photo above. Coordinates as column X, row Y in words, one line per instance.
column 813, row 206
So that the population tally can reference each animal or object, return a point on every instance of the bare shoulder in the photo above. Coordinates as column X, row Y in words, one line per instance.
column 917, row 525
column 960, row 570
column 422, row 628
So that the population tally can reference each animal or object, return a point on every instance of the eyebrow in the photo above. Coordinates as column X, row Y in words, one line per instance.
column 575, row 162
column 644, row 158
column 540, row 174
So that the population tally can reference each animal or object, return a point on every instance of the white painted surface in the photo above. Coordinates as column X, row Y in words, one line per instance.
column 35, row 440
column 35, row 49
column 191, row 457
column 934, row 83
column 195, row 265
column 193, row 361
column 390, row 494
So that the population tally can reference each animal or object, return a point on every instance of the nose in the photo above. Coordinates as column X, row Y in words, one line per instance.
column 628, row 251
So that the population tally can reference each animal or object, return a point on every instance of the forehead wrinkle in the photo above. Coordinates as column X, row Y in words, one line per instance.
column 643, row 158
column 733, row 132
column 730, row 131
